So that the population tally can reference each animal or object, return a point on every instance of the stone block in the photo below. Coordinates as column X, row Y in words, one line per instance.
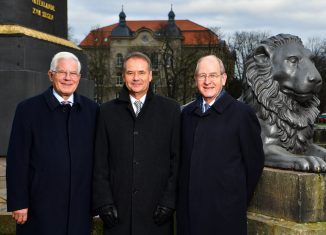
column 264, row 225
column 291, row 195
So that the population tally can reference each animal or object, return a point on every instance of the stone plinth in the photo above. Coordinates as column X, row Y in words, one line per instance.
column 291, row 195
column 288, row 202
column 264, row 225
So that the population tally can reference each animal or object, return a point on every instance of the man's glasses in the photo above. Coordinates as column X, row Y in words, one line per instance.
column 61, row 73
column 211, row 76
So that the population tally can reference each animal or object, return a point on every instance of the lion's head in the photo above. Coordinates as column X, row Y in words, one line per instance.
column 281, row 83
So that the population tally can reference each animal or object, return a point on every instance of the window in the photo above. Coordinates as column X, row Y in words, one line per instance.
column 154, row 87
column 119, row 81
column 119, row 60
column 154, row 59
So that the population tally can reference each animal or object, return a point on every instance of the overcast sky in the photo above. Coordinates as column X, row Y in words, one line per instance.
column 303, row 18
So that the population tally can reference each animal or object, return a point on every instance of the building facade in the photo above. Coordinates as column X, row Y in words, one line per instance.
column 172, row 45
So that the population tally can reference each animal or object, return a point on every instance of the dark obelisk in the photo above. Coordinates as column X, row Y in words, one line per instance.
column 31, row 32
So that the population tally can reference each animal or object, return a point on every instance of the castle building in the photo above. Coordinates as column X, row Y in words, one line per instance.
column 172, row 45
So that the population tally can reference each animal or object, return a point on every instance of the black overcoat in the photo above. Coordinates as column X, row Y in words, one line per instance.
column 222, row 159
column 136, row 162
column 49, row 165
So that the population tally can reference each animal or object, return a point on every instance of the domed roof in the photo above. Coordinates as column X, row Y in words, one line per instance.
column 122, row 15
column 121, row 30
column 171, row 14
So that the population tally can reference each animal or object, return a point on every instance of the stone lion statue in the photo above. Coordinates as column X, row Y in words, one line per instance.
column 280, row 84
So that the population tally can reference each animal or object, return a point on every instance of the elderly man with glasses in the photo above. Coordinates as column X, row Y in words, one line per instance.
column 49, row 160
column 222, row 157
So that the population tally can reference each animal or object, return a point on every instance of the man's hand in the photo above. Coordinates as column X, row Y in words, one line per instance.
column 109, row 215
column 20, row 216
column 162, row 214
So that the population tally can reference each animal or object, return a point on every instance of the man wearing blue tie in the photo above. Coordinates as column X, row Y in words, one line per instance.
column 222, row 157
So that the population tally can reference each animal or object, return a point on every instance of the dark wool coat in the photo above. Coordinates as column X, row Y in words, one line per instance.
column 222, row 160
column 136, row 162
column 49, row 165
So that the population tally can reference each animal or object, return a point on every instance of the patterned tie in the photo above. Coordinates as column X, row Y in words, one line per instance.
column 65, row 102
column 138, row 104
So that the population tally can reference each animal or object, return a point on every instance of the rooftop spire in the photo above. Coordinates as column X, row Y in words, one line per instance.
column 122, row 16
column 171, row 14
column 121, row 29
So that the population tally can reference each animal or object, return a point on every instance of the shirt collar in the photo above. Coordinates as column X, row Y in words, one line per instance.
column 142, row 99
column 213, row 101
column 60, row 99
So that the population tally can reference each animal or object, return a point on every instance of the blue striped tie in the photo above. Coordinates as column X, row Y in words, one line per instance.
column 206, row 107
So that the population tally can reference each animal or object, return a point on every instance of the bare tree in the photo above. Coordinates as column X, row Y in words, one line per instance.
column 71, row 36
column 98, row 66
column 318, row 48
column 179, row 62
column 241, row 44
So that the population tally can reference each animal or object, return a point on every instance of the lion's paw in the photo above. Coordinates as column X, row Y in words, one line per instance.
column 309, row 164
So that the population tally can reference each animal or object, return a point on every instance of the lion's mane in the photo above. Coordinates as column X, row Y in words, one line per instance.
column 294, row 120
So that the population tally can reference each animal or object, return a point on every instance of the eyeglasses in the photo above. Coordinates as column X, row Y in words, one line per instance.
column 211, row 76
column 61, row 73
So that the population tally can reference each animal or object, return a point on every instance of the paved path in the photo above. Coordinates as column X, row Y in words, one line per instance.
column 3, row 193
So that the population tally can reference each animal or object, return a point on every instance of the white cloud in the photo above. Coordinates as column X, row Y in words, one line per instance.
column 302, row 18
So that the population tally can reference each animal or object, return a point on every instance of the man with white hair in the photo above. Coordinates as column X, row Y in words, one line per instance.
column 49, row 160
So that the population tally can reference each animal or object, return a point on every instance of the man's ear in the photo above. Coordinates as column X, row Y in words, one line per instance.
column 50, row 74
column 224, row 78
column 150, row 76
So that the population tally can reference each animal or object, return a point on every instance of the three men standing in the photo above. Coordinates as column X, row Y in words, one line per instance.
column 136, row 156
column 136, row 161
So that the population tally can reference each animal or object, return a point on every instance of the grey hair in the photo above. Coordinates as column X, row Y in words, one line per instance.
column 140, row 55
column 64, row 55
column 220, row 62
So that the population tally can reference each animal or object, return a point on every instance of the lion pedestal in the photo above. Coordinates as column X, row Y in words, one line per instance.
column 288, row 203
column 281, row 84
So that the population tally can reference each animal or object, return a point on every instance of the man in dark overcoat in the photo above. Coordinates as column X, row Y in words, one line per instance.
column 136, row 156
column 49, row 160
column 222, row 157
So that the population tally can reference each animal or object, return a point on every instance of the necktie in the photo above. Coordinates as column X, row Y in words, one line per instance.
column 65, row 102
column 138, row 104
column 206, row 107
column 65, row 106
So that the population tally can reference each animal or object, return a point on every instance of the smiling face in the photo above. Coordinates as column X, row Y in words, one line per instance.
column 209, row 78
column 65, row 78
column 137, row 76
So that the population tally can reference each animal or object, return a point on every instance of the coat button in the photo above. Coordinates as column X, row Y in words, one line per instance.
column 136, row 162
column 134, row 191
column 135, row 132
